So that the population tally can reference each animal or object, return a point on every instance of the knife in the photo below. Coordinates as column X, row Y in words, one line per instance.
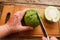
column 42, row 26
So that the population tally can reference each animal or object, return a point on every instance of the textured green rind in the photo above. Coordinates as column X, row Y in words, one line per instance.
column 30, row 18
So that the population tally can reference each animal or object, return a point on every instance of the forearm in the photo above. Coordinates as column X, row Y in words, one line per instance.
column 4, row 30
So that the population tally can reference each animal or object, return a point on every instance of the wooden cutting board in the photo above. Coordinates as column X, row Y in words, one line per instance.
column 52, row 28
column 7, row 10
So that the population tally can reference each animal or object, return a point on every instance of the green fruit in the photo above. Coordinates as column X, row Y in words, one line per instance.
column 52, row 14
column 30, row 18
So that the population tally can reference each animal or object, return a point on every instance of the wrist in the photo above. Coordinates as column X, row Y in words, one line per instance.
column 8, row 29
column 4, row 30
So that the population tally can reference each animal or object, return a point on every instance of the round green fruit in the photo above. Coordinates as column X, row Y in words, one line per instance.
column 52, row 14
column 30, row 18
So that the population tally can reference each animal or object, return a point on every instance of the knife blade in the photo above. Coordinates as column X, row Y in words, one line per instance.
column 42, row 26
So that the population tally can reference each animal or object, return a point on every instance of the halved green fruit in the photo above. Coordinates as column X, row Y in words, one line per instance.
column 30, row 17
column 52, row 14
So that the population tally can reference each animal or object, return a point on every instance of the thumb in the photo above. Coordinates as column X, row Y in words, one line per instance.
column 44, row 38
column 25, row 28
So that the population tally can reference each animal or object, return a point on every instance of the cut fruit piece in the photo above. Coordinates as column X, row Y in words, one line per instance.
column 52, row 14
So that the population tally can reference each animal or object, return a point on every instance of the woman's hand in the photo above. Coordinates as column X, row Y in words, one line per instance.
column 52, row 38
column 15, row 24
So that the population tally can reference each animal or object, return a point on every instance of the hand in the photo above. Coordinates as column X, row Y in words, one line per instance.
column 52, row 38
column 15, row 24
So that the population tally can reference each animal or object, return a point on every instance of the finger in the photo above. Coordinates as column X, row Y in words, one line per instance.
column 20, row 14
column 23, row 11
column 44, row 38
column 53, row 38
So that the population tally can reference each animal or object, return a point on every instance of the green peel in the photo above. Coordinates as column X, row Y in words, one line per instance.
column 30, row 18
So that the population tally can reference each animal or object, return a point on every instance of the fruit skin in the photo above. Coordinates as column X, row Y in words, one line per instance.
column 30, row 18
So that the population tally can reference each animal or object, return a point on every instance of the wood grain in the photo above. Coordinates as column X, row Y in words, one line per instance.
column 6, row 9
column 52, row 28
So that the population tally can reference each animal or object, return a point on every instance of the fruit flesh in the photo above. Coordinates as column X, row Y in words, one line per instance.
column 52, row 14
